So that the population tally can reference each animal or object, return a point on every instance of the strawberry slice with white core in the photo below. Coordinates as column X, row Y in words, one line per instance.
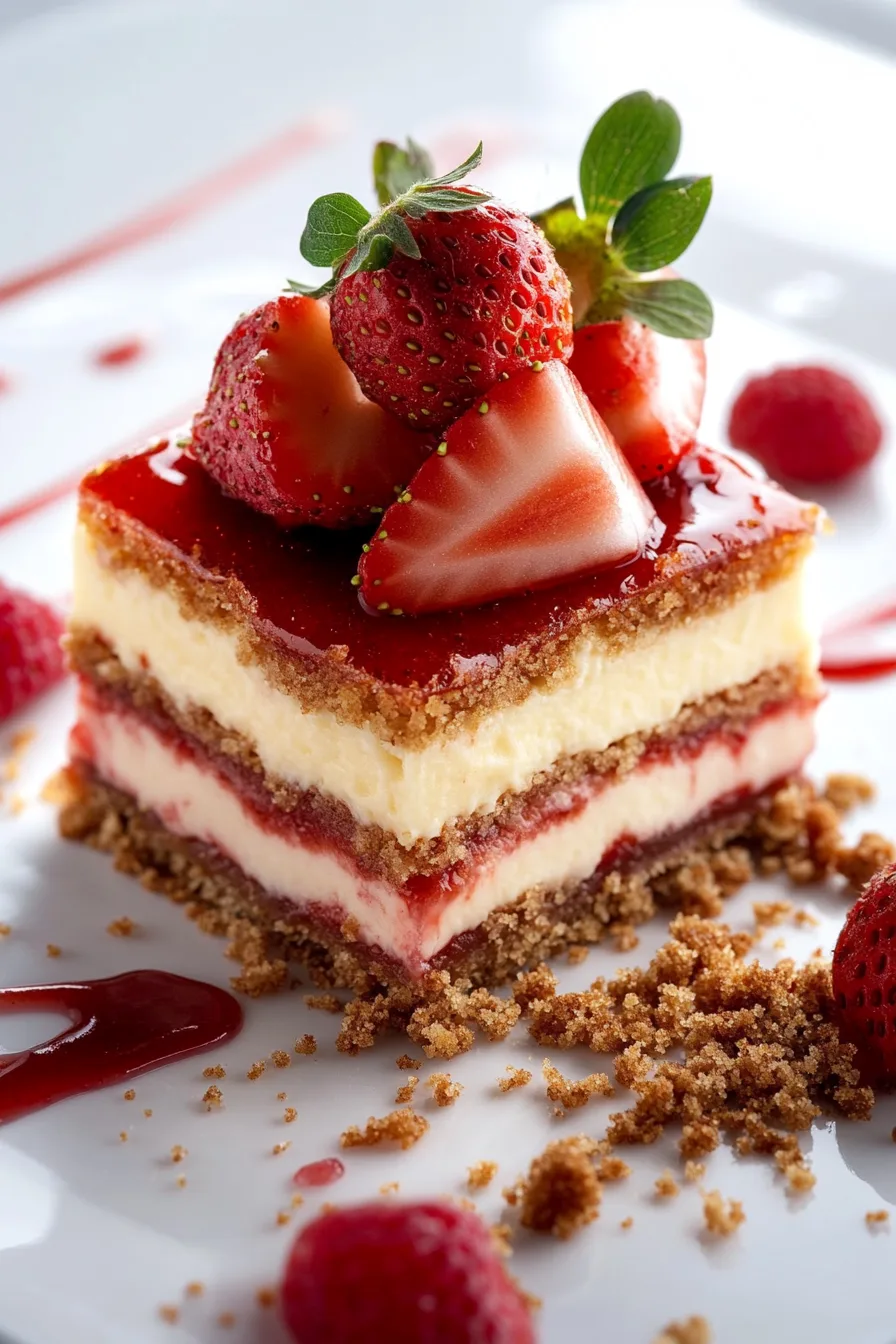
column 648, row 388
column 527, row 489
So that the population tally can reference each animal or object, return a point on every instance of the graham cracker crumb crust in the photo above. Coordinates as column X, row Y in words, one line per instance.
column 404, row 1128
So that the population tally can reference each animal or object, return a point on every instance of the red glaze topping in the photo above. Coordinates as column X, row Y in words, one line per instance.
column 324, row 1172
column 299, row 582
column 849, row 651
column 122, row 1026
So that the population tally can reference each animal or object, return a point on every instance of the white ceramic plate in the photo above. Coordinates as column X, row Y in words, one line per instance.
column 138, row 102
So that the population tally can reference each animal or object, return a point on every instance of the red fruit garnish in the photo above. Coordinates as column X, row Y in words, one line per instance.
column 864, row 977
column 527, row 489
column 806, row 423
column 287, row 429
column 648, row 389
column 30, row 655
column 406, row 1274
column 427, row 337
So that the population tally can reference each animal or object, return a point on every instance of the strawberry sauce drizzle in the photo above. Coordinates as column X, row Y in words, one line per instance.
column 120, row 1027
column 323, row 1172
column 846, row 652
column 126, row 351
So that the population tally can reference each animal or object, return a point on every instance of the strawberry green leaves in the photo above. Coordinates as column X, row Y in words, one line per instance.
column 636, row 223
column 342, row 234
column 634, row 143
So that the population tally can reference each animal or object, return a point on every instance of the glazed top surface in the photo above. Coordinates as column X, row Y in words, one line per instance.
column 298, row 583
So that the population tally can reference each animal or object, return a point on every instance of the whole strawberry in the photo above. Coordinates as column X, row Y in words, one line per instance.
column 440, row 295
column 30, row 655
column 864, row 978
column 406, row 1274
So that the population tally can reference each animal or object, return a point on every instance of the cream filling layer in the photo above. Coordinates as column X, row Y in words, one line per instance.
column 648, row 801
column 415, row 793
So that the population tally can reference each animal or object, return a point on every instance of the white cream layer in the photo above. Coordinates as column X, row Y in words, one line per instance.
column 415, row 793
column 646, row 802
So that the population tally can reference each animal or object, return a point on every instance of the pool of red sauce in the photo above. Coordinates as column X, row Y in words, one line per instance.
column 324, row 1172
column 295, row 585
column 120, row 1027
column 845, row 650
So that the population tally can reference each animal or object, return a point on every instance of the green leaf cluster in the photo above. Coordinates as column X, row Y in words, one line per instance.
column 637, row 221
column 342, row 234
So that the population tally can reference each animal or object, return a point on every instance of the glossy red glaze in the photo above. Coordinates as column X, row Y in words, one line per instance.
column 296, row 585
column 846, row 651
column 121, row 1027
column 121, row 352
column 324, row 1172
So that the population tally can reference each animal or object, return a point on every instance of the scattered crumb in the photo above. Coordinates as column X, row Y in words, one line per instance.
column 169, row 1314
column 123, row 1136
column 53, row 950
column 194, row 1289
column 877, row 1217
column 281, row 1059
column 213, row 1097
column 403, row 1127
column 722, row 1218
column 405, row 1092
column 845, row 791
column 769, row 913
column 266, row 1297
column 281, row 1147
column 5, row 930
column 329, row 1207
column 502, row 1234
column 148, row 1113
column 255, row 1070
column 214, row 1071
column 627, row 1223
column 481, row 1174
column 805, row 919
column 799, row 1178
column 283, row 1217
column 297, row 1201
column 390, row 1188
column 305, row 1045
column 178, row 1153
column 289, row 1115
column 780, row 944
column 515, row 1078
column 571, row 1094
column 326, row 1003
column 531, row 987
column 694, row 1171
column 561, row 1192
column 611, row 1168
column 181, row 1182
column 444, row 1091
column 576, row 954
column 129, row 1095
column 666, row 1186
column 226, row 1320
column 122, row 928
column 624, row 937
column 405, row 1062
column 695, row 1330
column 467, row 1204
column 858, row 863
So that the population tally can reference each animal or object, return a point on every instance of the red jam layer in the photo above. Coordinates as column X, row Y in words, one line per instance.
column 299, row 582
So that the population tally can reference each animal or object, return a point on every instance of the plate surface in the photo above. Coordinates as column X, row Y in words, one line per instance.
column 95, row 1233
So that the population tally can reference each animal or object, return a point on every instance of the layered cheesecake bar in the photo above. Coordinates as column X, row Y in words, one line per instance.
column 464, row 790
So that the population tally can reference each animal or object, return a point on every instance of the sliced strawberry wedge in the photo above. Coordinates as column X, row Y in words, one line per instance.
column 527, row 489
column 648, row 388
column 287, row 429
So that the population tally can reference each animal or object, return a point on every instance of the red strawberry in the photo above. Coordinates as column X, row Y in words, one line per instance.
column 864, row 977
column 527, row 489
column 647, row 387
column 30, row 655
column 406, row 1274
column 806, row 423
column 427, row 337
column 287, row 429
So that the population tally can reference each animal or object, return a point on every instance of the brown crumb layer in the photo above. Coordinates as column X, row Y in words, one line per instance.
column 412, row 714
column 376, row 850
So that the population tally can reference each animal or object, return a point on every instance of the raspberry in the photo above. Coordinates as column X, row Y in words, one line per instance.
column 807, row 423
column 864, row 977
column 409, row 1274
column 30, row 657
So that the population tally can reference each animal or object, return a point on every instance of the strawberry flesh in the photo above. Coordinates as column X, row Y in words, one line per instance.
column 864, row 978
column 286, row 428
column 531, row 490
column 31, row 658
column 648, row 389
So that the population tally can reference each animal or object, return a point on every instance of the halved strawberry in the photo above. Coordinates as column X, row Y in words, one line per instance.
column 526, row 490
column 647, row 387
column 287, row 429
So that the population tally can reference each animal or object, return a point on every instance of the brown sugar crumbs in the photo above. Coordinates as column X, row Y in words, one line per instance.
column 561, row 1192
column 122, row 928
column 194, row 1289
column 572, row 1094
column 214, row 1071
column 666, row 1186
column 627, row 1223
column 255, row 1070
column 481, row 1174
column 404, row 1127
column 769, row 913
column 877, row 1217
column 169, row 1314
column 129, row 1095
column 390, row 1188
column 438, row 1016
column 213, row 1097
column 178, row 1153
column 266, row 1297
column 405, row 1062
column 289, row 1115
column 444, row 1091
column 515, row 1078
column 53, row 950
column 325, row 1003
column 406, row 1091
column 281, row 1059
column 845, row 791
column 305, row 1045
column 281, row 1147
column 695, row 1330
column 694, row 1171
column 722, row 1217
column 576, row 954
column 5, row 930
